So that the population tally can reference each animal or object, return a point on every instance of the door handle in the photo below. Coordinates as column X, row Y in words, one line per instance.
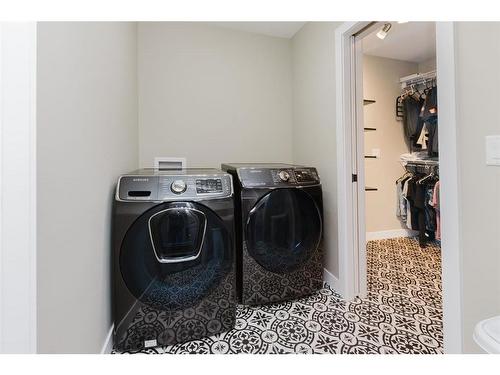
column 168, row 260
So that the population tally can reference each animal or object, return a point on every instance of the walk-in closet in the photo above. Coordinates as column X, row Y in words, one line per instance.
column 401, row 142
column 401, row 166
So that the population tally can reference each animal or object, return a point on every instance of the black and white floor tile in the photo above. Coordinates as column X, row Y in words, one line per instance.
column 402, row 313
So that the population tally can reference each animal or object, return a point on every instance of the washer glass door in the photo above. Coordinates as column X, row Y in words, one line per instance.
column 175, row 254
column 283, row 230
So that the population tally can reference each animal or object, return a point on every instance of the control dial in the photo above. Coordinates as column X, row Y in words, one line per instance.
column 178, row 187
column 284, row 175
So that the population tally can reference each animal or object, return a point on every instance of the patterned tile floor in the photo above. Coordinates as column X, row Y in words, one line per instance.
column 402, row 313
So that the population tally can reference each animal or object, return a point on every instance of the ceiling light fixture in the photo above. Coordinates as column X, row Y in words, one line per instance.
column 382, row 33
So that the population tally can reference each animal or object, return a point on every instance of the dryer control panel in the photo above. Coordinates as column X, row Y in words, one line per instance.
column 171, row 186
column 278, row 177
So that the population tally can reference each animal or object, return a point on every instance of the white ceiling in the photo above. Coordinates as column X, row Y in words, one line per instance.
column 411, row 41
column 278, row 29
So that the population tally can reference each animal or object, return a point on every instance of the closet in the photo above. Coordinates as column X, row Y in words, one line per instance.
column 401, row 143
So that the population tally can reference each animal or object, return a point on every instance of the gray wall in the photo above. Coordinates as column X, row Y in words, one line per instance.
column 313, row 55
column 213, row 95
column 478, row 79
column 86, row 137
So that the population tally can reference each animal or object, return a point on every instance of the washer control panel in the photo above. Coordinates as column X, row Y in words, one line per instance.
column 209, row 186
column 174, row 187
column 306, row 175
column 273, row 177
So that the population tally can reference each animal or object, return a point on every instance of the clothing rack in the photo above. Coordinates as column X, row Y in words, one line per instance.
column 422, row 165
column 418, row 78
column 430, row 162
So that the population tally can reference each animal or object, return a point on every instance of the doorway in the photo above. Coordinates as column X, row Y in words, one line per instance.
column 353, row 199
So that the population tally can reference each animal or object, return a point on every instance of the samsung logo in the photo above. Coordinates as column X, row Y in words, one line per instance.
column 140, row 179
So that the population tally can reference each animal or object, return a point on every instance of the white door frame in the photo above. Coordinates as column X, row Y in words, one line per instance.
column 352, row 252
column 18, row 187
column 347, row 160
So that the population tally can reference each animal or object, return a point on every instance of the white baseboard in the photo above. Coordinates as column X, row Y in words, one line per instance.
column 331, row 280
column 390, row 234
column 107, row 347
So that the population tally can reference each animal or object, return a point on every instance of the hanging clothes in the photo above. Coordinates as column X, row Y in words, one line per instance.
column 418, row 189
column 412, row 121
column 430, row 118
column 407, row 218
column 426, row 212
column 430, row 110
column 430, row 212
column 411, row 196
column 424, row 137
column 416, row 204
column 437, row 207
column 432, row 144
column 420, row 120
column 401, row 202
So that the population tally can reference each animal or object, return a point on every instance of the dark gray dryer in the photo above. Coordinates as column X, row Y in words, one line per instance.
column 279, row 226
column 173, row 257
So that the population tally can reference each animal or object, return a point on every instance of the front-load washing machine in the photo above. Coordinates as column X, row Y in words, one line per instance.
column 173, row 257
column 279, row 227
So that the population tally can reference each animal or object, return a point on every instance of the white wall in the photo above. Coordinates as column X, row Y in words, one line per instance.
column 314, row 118
column 478, row 79
column 87, row 136
column 213, row 95
column 17, row 187
column 381, row 83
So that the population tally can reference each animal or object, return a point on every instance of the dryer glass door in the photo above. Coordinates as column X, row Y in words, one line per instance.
column 283, row 230
column 175, row 255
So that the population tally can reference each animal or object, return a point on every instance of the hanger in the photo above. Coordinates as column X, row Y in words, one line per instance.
column 407, row 173
column 431, row 175
column 422, row 180
column 428, row 86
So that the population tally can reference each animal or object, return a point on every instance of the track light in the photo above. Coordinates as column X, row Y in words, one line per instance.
column 382, row 33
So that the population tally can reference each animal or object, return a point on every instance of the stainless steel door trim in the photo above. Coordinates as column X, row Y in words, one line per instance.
column 178, row 259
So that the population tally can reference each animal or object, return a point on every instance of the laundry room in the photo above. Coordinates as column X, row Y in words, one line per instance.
column 249, row 99
column 200, row 93
column 234, row 187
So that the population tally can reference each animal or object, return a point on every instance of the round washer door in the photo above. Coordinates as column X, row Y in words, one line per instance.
column 283, row 230
column 175, row 254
